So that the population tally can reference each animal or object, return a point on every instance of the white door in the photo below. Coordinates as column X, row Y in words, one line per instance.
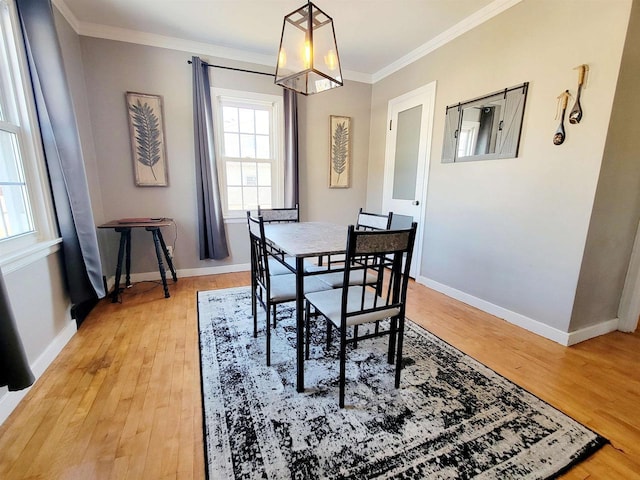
column 409, row 131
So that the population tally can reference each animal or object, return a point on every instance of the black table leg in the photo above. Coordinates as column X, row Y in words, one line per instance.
column 300, row 322
column 124, row 236
column 127, row 260
column 167, row 256
column 163, row 274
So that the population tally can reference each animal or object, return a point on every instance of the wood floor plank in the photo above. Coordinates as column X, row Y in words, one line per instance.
column 123, row 399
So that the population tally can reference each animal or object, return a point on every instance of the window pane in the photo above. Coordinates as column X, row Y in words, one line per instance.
column 247, row 146
column 15, row 216
column 250, row 198
column 249, row 174
column 231, row 145
column 262, row 122
column 264, row 196
column 247, row 124
column 264, row 174
column 262, row 147
column 234, row 198
column 10, row 162
column 230, row 119
column 234, row 173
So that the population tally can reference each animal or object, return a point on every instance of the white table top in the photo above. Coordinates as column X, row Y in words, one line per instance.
column 307, row 239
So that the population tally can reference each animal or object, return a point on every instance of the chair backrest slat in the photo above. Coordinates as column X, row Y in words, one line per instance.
column 279, row 215
column 373, row 221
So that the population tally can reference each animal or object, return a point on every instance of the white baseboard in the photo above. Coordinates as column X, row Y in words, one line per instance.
column 182, row 273
column 530, row 324
column 11, row 399
column 593, row 331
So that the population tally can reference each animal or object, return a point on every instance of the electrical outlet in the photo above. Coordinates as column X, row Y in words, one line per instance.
column 170, row 250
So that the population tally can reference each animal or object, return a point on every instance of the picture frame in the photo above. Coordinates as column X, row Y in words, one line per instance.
column 147, row 134
column 340, row 152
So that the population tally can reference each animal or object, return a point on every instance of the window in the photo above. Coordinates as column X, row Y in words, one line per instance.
column 23, row 203
column 249, row 150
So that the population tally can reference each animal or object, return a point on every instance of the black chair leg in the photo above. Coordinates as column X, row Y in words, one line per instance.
column 392, row 340
column 307, row 327
column 268, row 318
column 343, row 364
column 329, row 328
column 399, row 353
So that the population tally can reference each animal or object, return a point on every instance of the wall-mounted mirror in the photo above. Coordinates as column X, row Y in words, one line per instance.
column 485, row 128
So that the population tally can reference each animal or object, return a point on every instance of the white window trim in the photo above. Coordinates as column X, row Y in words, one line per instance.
column 44, row 237
column 277, row 103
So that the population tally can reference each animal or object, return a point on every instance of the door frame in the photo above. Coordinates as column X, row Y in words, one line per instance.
column 629, row 309
column 425, row 95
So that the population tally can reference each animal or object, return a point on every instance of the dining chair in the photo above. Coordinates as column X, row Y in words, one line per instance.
column 280, row 215
column 270, row 290
column 366, row 221
column 354, row 305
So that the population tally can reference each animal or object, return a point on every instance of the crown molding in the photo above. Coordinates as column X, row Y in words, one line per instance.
column 153, row 40
column 67, row 14
column 484, row 14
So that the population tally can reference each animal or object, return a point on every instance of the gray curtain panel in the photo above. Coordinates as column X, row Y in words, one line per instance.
column 63, row 154
column 212, row 236
column 291, row 188
column 15, row 372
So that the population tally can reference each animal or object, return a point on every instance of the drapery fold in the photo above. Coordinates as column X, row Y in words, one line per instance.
column 65, row 164
column 15, row 372
column 291, row 187
column 212, row 236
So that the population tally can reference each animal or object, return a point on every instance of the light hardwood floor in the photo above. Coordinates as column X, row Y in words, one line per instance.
column 123, row 398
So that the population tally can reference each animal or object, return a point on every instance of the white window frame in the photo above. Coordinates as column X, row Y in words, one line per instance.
column 23, row 120
column 218, row 98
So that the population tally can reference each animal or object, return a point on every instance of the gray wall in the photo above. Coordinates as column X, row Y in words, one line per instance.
column 616, row 210
column 512, row 232
column 113, row 68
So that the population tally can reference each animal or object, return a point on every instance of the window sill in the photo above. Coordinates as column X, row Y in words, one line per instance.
column 230, row 220
column 17, row 260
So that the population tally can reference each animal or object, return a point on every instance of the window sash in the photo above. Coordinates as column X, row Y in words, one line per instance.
column 250, row 176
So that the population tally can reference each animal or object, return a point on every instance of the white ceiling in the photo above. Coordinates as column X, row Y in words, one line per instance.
column 375, row 37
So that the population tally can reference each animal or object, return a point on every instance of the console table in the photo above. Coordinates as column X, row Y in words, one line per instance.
column 124, row 227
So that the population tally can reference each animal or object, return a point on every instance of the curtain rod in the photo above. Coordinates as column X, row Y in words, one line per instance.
column 236, row 69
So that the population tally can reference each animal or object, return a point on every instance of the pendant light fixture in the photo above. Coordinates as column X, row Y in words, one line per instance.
column 308, row 59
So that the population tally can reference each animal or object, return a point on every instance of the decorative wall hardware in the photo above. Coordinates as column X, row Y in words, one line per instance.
column 576, row 112
column 485, row 128
column 560, row 135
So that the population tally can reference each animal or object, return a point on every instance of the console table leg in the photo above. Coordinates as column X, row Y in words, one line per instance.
column 167, row 256
column 121, row 249
column 163, row 274
column 127, row 259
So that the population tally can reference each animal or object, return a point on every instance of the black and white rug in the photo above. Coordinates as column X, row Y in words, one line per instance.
column 451, row 418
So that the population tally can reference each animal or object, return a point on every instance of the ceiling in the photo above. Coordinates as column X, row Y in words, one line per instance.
column 375, row 37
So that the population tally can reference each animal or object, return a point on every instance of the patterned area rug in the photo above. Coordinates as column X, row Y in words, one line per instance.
column 451, row 418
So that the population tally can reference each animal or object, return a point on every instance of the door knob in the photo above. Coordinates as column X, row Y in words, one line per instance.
column 415, row 202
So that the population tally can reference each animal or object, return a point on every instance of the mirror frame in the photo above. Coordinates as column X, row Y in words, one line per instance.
column 507, row 137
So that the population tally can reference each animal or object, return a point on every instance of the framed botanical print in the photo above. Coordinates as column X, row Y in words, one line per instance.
column 340, row 152
column 146, row 129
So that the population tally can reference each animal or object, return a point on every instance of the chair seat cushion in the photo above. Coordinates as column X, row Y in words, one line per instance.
column 283, row 287
column 277, row 268
column 329, row 303
column 336, row 279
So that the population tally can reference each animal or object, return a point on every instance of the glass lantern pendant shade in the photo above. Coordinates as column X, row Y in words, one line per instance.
column 308, row 59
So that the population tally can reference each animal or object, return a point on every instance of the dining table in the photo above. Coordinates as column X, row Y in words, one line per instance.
column 304, row 240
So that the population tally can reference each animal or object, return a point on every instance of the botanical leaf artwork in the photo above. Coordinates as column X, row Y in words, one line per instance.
column 147, row 134
column 340, row 149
